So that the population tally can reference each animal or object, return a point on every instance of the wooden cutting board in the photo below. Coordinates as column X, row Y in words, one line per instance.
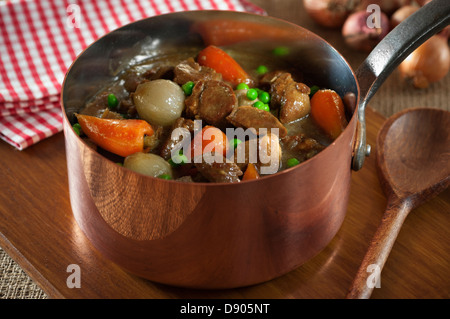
column 38, row 231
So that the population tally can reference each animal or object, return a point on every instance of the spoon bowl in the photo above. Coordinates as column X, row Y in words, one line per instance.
column 413, row 153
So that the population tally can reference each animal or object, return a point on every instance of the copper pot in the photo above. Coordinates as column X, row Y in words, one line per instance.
column 224, row 235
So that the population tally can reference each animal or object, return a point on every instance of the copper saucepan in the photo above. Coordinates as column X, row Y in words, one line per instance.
column 221, row 235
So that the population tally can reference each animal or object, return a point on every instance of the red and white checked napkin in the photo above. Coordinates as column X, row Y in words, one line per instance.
column 39, row 39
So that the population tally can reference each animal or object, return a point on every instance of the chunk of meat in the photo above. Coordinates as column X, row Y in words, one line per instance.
column 97, row 105
column 303, row 146
column 242, row 98
column 154, row 141
column 127, row 107
column 243, row 152
column 222, row 171
column 186, row 179
column 264, row 152
column 189, row 70
column 132, row 78
column 291, row 97
column 162, row 72
column 268, row 78
column 250, row 117
column 301, row 142
column 296, row 105
column 107, row 114
column 211, row 101
column 172, row 141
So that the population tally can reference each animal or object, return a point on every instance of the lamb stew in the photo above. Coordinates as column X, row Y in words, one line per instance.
column 211, row 115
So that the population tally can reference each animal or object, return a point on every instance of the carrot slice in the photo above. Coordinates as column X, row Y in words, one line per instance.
column 210, row 140
column 327, row 110
column 121, row 137
column 221, row 62
column 250, row 173
column 225, row 32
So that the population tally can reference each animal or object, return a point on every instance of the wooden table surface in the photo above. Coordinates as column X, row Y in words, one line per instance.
column 38, row 231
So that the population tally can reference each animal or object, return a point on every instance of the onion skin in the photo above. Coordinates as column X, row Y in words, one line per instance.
column 358, row 35
column 429, row 63
column 329, row 13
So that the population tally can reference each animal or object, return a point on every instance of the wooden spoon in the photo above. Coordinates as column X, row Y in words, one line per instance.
column 413, row 153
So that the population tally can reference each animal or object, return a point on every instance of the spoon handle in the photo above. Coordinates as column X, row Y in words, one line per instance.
column 368, row 275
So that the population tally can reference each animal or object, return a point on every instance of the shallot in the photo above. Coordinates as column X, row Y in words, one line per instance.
column 422, row 2
column 361, row 35
column 159, row 102
column 329, row 13
column 428, row 63
column 387, row 6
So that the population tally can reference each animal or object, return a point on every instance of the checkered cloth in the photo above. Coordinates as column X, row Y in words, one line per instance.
column 39, row 39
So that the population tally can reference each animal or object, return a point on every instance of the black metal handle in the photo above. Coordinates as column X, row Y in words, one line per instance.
column 388, row 54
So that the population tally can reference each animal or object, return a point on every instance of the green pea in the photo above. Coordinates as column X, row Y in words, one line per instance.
column 112, row 101
column 242, row 86
column 280, row 51
column 292, row 162
column 258, row 104
column 77, row 128
column 235, row 142
column 262, row 106
column 252, row 94
column 178, row 160
column 165, row 176
column 264, row 97
column 313, row 90
column 265, row 107
column 187, row 87
column 172, row 163
column 262, row 69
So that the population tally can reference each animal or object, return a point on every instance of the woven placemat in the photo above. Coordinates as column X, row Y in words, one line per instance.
column 14, row 282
